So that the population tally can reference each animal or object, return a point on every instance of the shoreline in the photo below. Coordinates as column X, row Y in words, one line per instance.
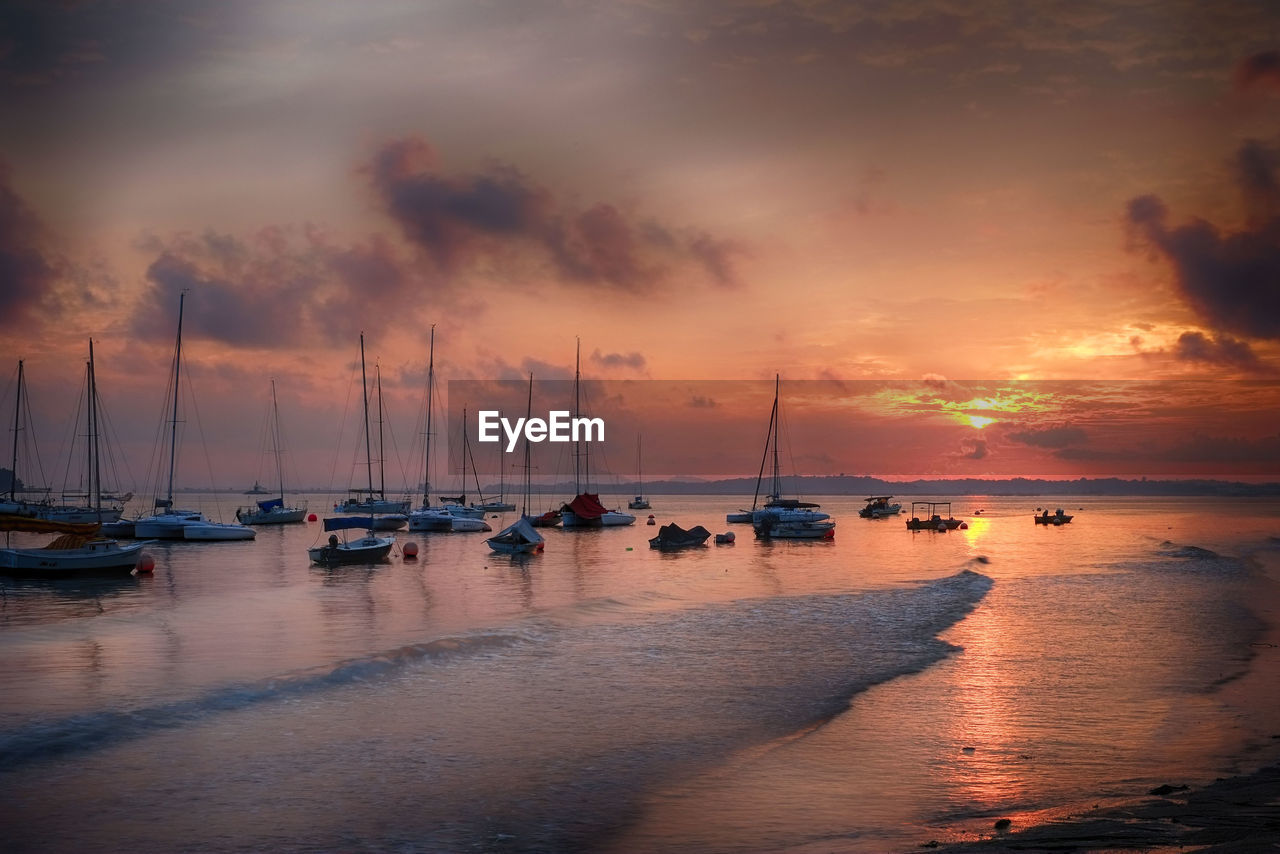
column 1232, row 815
column 1238, row 813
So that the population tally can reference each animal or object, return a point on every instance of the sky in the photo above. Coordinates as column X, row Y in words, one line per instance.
column 933, row 207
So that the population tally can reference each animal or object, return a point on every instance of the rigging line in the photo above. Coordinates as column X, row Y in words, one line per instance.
column 107, row 426
column 69, row 446
column 35, row 446
column 342, row 429
column 204, row 445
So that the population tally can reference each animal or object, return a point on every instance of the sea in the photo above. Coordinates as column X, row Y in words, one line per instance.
column 870, row 693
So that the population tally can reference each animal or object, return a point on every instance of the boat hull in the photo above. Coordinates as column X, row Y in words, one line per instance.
column 96, row 556
column 1053, row 520
column 278, row 516
column 364, row 550
column 506, row 548
column 611, row 519
column 217, row 532
column 167, row 526
column 430, row 521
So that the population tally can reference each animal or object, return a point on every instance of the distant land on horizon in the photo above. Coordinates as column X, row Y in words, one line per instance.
column 863, row 485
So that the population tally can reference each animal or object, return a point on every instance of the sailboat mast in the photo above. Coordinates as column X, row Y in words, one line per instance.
column 773, row 417
column 528, row 413
column 382, row 457
column 95, row 461
column 364, row 389
column 17, row 425
column 581, row 467
column 466, row 454
column 275, row 439
column 777, row 428
column 426, row 451
column 173, row 425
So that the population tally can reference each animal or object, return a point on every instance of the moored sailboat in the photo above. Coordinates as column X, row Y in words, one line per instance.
column 520, row 536
column 168, row 522
column 785, row 518
column 272, row 511
column 585, row 509
column 388, row 514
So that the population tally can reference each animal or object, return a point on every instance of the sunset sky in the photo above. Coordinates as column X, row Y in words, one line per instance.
column 924, row 202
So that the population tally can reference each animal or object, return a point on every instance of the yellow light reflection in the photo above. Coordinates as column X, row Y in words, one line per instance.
column 976, row 531
column 978, row 421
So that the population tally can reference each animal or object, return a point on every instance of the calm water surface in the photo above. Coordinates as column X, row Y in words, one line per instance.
column 866, row 694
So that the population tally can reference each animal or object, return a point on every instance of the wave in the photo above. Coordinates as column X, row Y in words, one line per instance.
column 93, row 730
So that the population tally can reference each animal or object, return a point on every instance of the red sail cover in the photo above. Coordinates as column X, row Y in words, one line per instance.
column 587, row 506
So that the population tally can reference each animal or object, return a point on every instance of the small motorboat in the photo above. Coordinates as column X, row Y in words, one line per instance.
column 1058, row 518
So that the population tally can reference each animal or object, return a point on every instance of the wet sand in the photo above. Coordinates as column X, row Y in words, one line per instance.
column 1237, row 814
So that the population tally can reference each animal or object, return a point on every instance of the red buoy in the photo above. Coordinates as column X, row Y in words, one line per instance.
column 146, row 563
column 311, row 518
column 410, row 550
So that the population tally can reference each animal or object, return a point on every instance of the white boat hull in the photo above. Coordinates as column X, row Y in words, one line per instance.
column 612, row 518
column 464, row 525
column 94, row 556
column 430, row 520
column 216, row 531
column 168, row 526
column 494, row 507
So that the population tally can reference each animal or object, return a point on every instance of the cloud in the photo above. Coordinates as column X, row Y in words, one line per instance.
column 1222, row 350
column 276, row 288
column 972, row 449
column 1232, row 280
column 1049, row 437
column 632, row 360
column 502, row 217
column 26, row 272
column 1261, row 70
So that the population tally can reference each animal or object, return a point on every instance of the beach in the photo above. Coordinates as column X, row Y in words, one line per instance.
column 1233, row 814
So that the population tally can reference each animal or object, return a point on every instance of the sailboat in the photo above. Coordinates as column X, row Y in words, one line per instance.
column 388, row 515
column 78, row 547
column 272, row 511
column 169, row 523
column 439, row 519
column 585, row 510
column 639, row 502
column 465, row 520
column 785, row 518
column 93, row 505
column 520, row 536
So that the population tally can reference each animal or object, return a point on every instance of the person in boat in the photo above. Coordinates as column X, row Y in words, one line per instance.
column 1045, row 514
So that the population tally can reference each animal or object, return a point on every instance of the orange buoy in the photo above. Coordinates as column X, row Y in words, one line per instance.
column 146, row 563
column 411, row 550
column 311, row 517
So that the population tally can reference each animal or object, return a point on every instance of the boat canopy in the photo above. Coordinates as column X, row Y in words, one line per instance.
column 587, row 506
column 673, row 535
column 342, row 523
column 520, row 531
column 37, row 525
column 271, row 504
